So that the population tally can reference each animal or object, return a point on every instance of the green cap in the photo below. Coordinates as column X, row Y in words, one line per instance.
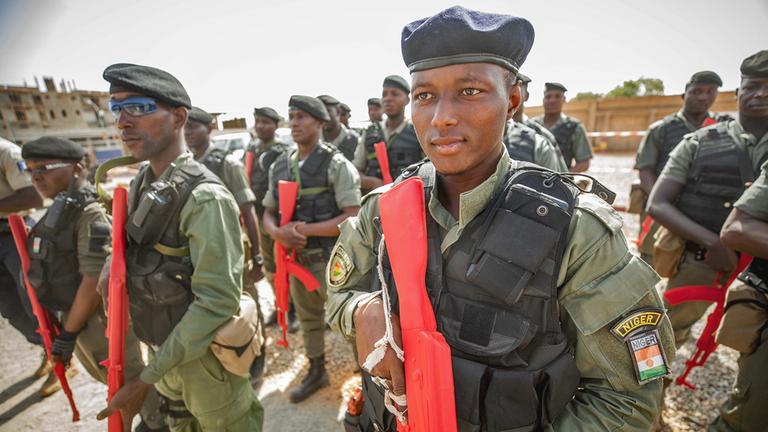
column 374, row 101
column 329, row 100
column 148, row 81
column 755, row 65
column 200, row 116
column 49, row 147
column 523, row 78
column 705, row 77
column 554, row 86
column 398, row 82
column 310, row 105
column 268, row 113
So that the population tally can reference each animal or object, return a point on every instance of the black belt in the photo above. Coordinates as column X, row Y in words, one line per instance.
column 175, row 409
column 754, row 281
column 696, row 249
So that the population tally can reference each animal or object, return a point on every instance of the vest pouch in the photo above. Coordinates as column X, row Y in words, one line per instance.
column 511, row 402
column 668, row 251
column 469, row 385
column 56, row 290
column 160, row 293
column 746, row 315
column 484, row 331
column 560, row 381
column 637, row 199
column 509, row 261
column 157, row 204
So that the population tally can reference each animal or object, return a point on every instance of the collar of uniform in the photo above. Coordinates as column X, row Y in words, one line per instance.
column 679, row 114
column 471, row 203
column 397, row 130
column 182, row 159
column 737, row 131
column 342, row 134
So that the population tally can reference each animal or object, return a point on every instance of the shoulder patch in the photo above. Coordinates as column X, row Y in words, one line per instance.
column 638, row 319
column 601, row 210
column 339, row 267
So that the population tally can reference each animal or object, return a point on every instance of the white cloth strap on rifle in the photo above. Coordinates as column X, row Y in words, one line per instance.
column 380, row 347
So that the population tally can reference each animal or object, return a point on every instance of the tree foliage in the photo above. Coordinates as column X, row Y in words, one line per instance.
column 587, row 96
column 642, row 86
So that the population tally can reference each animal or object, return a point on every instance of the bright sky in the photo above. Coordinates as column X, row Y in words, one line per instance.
column 234, row 55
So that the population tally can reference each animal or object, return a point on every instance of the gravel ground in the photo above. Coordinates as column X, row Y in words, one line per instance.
column 22, row 410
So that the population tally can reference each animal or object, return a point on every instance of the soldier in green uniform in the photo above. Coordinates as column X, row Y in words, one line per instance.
column 663, row 135
column 184, row 261
column 570, row 134
column 746, row 230
column 539, row 334
column 705, row 174
column 526, row 144
column 344, row 139
column 397, row 132
column 265, row 150
column 67, row 249
column 17, row 196
column 375, row 112
column 231, row 172
column 329, row 194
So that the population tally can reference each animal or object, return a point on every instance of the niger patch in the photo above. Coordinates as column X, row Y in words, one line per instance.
column 637, row 330
column 339, row 268
column 637, row 319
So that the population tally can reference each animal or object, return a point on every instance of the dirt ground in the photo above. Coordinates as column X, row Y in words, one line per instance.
column 22, row 410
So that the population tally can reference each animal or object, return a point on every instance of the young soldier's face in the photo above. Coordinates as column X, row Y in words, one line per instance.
column 459, row 113
column 265, row 127
column 50, row 176
column 374, row 113
column 699, row 97
column 148, row 135
column 196, row 134
column 393, row 101
column 753, row 97
column 305, row 129
column 553, row 101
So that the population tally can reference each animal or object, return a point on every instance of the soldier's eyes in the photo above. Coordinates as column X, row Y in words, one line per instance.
column 423, row 96
column 470, row 91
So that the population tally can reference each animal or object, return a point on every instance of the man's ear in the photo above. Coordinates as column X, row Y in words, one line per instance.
column 515, row 99
column 180, row 115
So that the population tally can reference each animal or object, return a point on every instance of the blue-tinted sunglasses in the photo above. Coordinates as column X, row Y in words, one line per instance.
column 135, row 106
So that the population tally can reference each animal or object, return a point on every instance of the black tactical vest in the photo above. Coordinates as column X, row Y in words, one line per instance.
column 716, row 178
column 494, row 294
column 214, row 161
column 563, row 132
column 54, row 270
column 347, row 145
column 316, row 201
column 403, row 150
column 260, row 170
column 674, row 130
column 520, row 142
column 159, row 268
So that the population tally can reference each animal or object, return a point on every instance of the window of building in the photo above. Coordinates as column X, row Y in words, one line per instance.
column 15, row 98
column 1, row 115
column 53, row 114
column 37, row 99
column 77, row 112
column 21, row 116
column 63, row 113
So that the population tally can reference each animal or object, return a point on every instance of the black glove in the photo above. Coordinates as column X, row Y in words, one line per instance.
column 64, row 345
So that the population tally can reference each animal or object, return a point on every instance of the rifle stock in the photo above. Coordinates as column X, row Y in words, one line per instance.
column 715, row 293
column 428, row 366
column 46, row 326
column 383, row 158
column 285, row 261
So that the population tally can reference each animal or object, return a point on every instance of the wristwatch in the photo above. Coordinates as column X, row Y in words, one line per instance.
column 258, row 259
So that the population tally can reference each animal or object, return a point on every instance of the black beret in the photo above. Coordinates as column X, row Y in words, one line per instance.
column 49, row 147
column 200, row 116
column 398, row 82
column 374, row 101
column 329, row 100
column 312, row 106
column 149, row 81
column 755, row 65
column 458, row 35
column 268, row 113
column 554, row 86
column 523, row 78
column 344, row 107
column 705, row 77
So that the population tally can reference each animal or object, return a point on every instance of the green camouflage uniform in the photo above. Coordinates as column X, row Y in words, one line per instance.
column 581, row 150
